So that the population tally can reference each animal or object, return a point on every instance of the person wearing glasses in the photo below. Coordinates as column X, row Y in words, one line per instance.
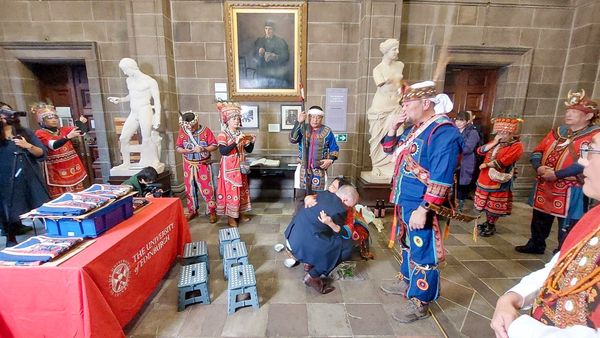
column 557, row 191
column 563, row 296
column 63, row 169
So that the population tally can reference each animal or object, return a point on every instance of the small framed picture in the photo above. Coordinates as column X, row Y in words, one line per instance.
column 289, row 115
column 249, row 117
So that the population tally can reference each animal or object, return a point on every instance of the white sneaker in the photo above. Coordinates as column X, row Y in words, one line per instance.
column 278, row 247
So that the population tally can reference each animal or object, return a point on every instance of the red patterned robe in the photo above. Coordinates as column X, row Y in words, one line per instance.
column 63, row 168
column 491, row 196
column 559, row 150
column 233, row 194
column 570, row 294
column 197, row 173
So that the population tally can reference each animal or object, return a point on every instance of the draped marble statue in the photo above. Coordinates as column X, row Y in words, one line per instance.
column 144, row 103
column 387, row 76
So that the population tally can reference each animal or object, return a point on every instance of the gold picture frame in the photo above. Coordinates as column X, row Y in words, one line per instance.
column 257, row 36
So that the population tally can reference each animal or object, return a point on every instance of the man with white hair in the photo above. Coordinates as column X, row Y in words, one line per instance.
column 321, row 149
column 315, row 235
column 427, row 155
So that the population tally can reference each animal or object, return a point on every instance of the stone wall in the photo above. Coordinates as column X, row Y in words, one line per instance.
column 535, row 83
column 541, row 47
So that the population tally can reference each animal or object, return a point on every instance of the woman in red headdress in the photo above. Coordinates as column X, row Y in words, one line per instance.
column 63, row 168
column 494, row 185
column 233, row 195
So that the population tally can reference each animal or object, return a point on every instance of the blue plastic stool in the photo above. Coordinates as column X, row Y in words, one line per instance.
column 242, row 281
column 229, row 235
column 193, row 280
column 196, row 252
column 234, row 254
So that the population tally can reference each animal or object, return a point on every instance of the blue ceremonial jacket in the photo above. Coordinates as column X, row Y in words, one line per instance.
column 313, row 242
column 436, row 152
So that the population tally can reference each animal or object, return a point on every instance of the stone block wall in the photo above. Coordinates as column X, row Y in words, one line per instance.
column 530, row 84
column 542, row 48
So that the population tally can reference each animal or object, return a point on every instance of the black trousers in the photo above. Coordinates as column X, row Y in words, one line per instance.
column 541, row 224
column 463, row 192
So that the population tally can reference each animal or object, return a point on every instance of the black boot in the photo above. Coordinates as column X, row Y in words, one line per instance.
column 489, row 230
column 481, row 227
column 530, row 248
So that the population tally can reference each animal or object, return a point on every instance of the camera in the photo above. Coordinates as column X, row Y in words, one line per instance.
column 154, row 188
column 11, row 116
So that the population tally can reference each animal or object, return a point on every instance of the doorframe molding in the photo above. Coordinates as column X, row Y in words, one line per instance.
column 515, row 61
column 64, row 52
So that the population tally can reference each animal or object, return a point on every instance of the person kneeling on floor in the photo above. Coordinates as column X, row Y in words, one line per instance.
column 315, row 237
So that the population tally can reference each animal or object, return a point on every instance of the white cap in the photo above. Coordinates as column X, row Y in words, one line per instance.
column 443, row 104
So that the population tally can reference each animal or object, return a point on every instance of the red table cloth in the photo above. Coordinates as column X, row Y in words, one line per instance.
column 99, row 290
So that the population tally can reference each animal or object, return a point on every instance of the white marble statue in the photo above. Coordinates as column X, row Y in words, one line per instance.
column 144, row 102
column 387, row 76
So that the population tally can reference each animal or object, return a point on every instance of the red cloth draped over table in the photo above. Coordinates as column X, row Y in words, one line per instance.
column 99, row 290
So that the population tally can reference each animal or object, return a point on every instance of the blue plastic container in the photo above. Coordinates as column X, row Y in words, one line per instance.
column 94, row 224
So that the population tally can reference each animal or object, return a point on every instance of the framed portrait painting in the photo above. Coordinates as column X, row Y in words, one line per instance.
column 289, row 115
column 249, row 116
column 266, row 49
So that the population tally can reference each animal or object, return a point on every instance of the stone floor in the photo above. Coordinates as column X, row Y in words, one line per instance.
column 474, row 275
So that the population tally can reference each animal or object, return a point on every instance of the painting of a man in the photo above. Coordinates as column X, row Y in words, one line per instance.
column 266, row 61
column 272, row 55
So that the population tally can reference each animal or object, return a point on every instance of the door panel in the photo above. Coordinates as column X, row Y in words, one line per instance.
column 66, row 85
column 473, row 89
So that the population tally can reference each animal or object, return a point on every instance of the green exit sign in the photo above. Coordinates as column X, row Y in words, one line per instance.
column 341, row 137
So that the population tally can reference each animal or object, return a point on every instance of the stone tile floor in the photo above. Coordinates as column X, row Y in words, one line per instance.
column 474, row 275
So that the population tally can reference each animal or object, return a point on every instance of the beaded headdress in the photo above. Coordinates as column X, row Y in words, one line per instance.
column 42, row 110
column 506, row 123
column 188, row 119
column 227, row 110
column 418, row 91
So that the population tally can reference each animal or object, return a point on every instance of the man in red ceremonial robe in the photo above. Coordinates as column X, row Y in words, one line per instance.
column 195, row 142
column 557, row 191
column 63, row 168
column 563, row 296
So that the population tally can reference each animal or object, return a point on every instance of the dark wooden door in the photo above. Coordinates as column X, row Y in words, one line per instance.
column 472, row 89
column 66, row 85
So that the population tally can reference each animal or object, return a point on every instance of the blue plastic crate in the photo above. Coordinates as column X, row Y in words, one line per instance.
column 94, row 224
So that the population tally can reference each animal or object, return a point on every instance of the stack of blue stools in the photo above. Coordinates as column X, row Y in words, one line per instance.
column 193, row 281
column 193, row 285
column 242, row 281
column 226, row 236
column 196, row 252
column 234, row 254
column 237, row 270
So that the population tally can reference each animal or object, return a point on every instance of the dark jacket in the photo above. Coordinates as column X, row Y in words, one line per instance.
column 313, row 242
column 467, row 164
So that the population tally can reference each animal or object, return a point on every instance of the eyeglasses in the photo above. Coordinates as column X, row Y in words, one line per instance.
column 586, row 149
column 51, row 117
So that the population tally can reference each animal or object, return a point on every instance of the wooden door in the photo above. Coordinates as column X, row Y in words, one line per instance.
column 472, row 89
column 66, row 85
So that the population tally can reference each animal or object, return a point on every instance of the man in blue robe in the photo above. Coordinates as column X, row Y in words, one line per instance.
column 427, row 154
column 322, row 149
column 316, row 234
